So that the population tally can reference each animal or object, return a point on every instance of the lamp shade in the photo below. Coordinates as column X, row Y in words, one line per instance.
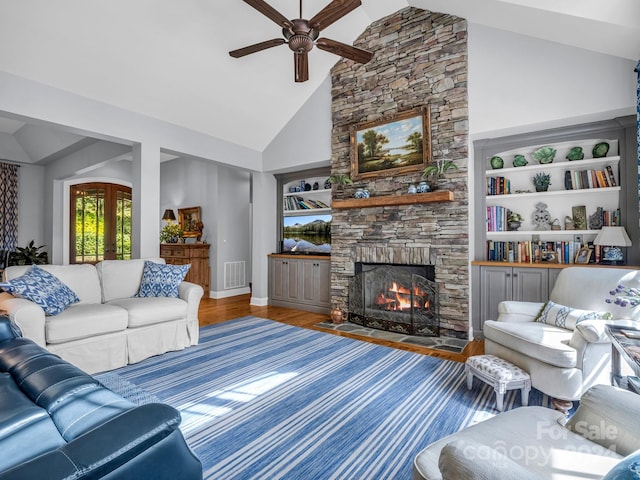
column 613, row 237
column 169, row 215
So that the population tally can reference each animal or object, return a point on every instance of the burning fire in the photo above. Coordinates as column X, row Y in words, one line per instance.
column 398, row 298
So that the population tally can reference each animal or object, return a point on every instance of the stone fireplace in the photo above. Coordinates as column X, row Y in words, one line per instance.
column 420, row 58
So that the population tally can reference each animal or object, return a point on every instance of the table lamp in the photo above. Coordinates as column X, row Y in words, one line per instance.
column 612, row 239
column 169, row 216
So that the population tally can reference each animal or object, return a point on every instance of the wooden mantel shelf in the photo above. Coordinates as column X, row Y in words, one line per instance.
column 391, row 200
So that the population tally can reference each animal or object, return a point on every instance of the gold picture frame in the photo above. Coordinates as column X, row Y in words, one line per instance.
column 190, row 220
column 394, row 144
column 583, row 255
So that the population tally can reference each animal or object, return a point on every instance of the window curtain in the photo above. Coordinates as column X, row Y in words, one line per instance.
column 8, row 206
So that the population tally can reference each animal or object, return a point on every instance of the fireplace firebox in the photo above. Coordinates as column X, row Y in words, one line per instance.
column 396, row 298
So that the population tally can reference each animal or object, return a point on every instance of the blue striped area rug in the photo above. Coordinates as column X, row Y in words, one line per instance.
column 264, row 400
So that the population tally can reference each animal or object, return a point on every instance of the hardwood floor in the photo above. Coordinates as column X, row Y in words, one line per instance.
column 216, row 311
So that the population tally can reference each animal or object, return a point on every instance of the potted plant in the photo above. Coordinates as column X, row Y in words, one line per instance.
column 29, row 255
column 437, row 170
column 170, row 233
column 514, row 220
column 340, row 179
column 542, row 181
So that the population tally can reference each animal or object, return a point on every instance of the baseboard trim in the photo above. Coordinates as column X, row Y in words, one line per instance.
column 229, row 293
column 259, row 302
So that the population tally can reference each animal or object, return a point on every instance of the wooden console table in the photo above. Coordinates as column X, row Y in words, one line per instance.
column 197, row 254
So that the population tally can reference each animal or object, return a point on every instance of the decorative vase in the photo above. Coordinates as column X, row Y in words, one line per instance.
column 542, row 188
column 337, row 316
column 413, row 189
column 423, row 187
column 362, row 193
column 513, row 226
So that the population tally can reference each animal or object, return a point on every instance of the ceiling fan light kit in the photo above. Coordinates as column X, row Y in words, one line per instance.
column 301, row 35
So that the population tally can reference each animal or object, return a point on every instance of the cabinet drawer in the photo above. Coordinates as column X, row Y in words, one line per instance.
column 173, row 252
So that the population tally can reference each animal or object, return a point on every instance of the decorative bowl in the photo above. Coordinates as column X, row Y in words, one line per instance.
column 575, row 153
column 600, row 150
column 544, row 154
column 519, row 161
column 496, row 162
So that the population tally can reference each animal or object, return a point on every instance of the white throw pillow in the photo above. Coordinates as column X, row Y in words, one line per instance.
column 567, row 317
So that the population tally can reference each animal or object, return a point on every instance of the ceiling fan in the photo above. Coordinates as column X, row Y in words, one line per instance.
column 301, row 35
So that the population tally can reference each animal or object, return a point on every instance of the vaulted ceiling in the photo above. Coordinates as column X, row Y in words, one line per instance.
column 169, row 59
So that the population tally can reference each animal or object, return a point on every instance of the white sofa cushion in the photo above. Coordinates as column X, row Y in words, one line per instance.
column 541, row 341
column 121, row 278
column 147, row 311
column 586, row 289
column 83, row 321
column 82, row 279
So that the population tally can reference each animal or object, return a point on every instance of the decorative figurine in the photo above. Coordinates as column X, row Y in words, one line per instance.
column 542, row 217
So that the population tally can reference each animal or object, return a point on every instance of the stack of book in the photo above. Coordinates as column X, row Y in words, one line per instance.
column 298, row 203
column 498, row 186
column 581, row 179
column 525, row 251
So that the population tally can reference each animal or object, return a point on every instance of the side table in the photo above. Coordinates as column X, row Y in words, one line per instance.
column 627, row 349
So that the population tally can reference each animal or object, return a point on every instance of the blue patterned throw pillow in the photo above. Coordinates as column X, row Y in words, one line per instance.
column 160, row 280
column 567, row 317
column 42, row 288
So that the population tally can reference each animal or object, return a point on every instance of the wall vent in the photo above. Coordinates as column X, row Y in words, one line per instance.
column 234, row 274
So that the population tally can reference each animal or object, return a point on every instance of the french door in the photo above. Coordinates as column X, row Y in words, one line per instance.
column 100, row 222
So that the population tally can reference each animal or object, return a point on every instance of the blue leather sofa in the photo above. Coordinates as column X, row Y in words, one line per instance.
column 57, row 422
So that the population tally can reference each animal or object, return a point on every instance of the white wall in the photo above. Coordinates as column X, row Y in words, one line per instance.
column 306, row 139
column 223, row 195
column 31, row 217
column 519, row 83
column 233, row 235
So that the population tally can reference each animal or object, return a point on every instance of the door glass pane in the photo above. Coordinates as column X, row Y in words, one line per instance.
column 89, row 225
column 101, row 222
column 123, row 225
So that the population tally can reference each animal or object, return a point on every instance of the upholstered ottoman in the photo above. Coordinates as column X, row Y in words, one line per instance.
column 500, row 374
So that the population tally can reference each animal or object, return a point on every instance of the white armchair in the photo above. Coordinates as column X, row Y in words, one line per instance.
column 564, row 357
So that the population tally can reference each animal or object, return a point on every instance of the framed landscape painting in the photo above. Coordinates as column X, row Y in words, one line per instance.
column 395, row 144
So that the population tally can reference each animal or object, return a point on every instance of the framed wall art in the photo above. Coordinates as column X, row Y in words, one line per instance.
column 395, row 144
column 190, row 222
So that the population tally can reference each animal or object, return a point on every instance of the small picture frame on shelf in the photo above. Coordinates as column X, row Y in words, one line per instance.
column 583, row 255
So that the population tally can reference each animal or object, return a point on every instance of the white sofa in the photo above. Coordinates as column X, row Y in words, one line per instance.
column 601, row 439
column 109, row 327
column 563, row 362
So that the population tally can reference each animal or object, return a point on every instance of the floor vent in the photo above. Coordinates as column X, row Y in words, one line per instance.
column 234, row 274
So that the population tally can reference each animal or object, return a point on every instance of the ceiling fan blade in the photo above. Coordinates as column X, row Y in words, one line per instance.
column 301, row 63
column 241, row 52
column 268, row 11
column 332, row 12
column 356, row 54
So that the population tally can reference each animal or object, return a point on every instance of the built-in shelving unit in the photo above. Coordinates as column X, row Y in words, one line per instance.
column 309, row 202
column 509, row 279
